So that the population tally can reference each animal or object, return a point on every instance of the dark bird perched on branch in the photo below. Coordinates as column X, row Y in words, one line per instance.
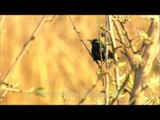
column 96, row 50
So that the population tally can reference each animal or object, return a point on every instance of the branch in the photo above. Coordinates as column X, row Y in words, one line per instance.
column 142, row 72
column 25, row 48
column 128, row 55
column 91, row 88
column 122, row 87
column 115, row 54
column 106, row 56
column 116, row 69
column 9, row 88
column 122, row 24
column 135, row 97
column 80, row 38
column 111, row 34
column 63, row 97
column 22, row 52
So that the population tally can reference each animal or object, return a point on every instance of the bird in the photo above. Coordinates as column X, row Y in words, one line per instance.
column 95, row 50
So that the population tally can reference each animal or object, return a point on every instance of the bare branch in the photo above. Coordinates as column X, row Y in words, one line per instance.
column 111, row 34
column 9, row 88
column 142, row 72
column 22, row 52
column 122, row 87
column 106, row 56
column 80, row 38
column 24, row 49
column 122, row 24
column 63, row 97
column 85, row 96
column 135, row 97
column 116, row 70
column 128, row 55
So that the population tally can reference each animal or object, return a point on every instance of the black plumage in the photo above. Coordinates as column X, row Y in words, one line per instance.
column 96, row 50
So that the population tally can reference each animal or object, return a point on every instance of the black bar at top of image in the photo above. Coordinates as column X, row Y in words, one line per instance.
column 79, row 7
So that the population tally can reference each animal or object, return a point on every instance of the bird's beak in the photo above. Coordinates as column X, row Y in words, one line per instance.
column 89, row 40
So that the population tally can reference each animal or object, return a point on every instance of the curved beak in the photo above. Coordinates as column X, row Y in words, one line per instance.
column 89, row 40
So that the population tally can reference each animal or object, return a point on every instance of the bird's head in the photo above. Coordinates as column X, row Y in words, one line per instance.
column 89, row 40
column 94, row 41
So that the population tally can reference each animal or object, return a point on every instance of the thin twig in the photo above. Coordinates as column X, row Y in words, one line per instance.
column 128, row 55
column 106, row 56
column 116, row 70
column 101, row 67
column 15, row 90
column 3, row 95
column 78, row 33
column 63, row 97
column 113, row 45
column 127, row 35
column 9, row 88
column 22, row 52
column 119, row 91
column 25, row 48
column 100, row 49
column 80, row 38
column 85, row 96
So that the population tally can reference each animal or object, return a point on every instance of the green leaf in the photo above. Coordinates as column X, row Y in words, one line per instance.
column 40, row 88
column 39, row 92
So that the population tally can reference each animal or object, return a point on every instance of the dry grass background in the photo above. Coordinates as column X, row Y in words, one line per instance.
column 56, row 59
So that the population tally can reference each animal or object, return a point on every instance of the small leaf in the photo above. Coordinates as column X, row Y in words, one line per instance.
column 123, row 77
column 39, row 91
column 121, row 64
column 146, row 38
column 137, row 60
column 143, row 35
column 130, row 82
column 40, row 88
column 148, row 41
column 102, row 40
column 16, row 84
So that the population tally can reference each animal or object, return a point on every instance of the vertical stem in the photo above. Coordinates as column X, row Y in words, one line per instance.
column 113, row 43
column 106, row 55
column 142, row 72
column 100, row 49
column 101, row 61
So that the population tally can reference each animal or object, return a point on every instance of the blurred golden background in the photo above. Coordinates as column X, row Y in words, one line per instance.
column 56, row 60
